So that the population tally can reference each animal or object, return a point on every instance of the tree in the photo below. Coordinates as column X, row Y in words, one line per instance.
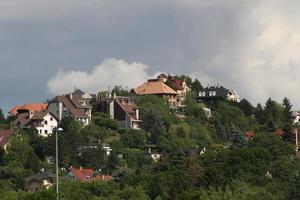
column 134, row 138
column 2, row 117
column 229, row 120
column 259, row 114
column 273, row 113
column 196, row 86
column 246, row 106
column 120, row 91
column 287, row 111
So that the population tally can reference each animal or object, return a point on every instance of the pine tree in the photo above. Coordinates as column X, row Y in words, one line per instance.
column 287, row 111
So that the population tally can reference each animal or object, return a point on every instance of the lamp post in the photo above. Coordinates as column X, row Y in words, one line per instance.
column 56, row 154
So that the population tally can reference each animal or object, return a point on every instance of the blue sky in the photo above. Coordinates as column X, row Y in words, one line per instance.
column 49, row 47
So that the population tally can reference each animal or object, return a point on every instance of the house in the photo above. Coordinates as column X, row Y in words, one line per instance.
column 86, row 174
column 217, row 92
column 45, row 122
column 71, row 106
column 5, row 135
column 38, row 181
column 34, row 115
column 158, row 88
column 176, row 84
column 126, row 111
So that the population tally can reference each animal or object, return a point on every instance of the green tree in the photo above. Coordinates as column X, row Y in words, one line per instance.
column 229, row 119
column 196, row 86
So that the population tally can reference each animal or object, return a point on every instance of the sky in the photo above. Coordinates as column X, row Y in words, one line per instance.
column 48, row 47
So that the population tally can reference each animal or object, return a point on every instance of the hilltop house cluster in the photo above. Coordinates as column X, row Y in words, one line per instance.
column 45, row 117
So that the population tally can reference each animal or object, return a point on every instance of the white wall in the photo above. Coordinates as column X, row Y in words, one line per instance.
column 48, row 124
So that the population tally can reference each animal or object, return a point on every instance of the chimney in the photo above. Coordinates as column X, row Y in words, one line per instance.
column 71, row 96
column 80, row 168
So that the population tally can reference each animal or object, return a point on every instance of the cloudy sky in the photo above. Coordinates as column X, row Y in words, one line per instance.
column 47, row 47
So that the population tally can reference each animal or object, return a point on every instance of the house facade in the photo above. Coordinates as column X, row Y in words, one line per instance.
column 126, row 111
column 45, row 123
column 178, row 85
column 71, row 106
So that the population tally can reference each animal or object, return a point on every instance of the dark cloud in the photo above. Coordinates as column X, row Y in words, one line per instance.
column 250, row 46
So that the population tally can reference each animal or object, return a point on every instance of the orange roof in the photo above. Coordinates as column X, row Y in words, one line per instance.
column 154, row 87
column 36, row 107
column 86, row 174
column 14, row 111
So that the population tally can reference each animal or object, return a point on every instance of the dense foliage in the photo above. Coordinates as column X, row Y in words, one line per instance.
column 201, row 158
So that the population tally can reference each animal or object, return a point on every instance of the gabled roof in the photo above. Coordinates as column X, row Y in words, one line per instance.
column 41, row 176
column 41, row 115
column 86, row 174
column 128, row 106
column 34, row 107
column 82, row 174
column 4, row 136
column 71, row 104
column 154, row 87
column 14, row 111
column 22, row 120
column 78, row 92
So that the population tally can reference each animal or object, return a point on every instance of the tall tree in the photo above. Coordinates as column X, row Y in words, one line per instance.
column 287, row 111
column 273, row 115
column 196, row 86
column 246, row 107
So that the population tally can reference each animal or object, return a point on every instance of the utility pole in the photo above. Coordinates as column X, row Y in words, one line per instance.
column 297, row 144
column 56, row 152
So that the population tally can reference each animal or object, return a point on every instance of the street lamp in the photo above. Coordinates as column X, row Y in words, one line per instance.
column 56, row 153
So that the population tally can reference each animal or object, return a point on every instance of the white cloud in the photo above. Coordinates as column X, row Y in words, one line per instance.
column 110, row 72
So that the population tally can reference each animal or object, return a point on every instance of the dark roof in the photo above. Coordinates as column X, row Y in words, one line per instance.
column 128, row 106
column 220, row 91
column 72, row 104
column 41, row 176
column 22, row 120
column 41, row 115
column 78, row 92
column 4, row 136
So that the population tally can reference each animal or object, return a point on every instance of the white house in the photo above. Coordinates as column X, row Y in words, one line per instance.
column 45, row 122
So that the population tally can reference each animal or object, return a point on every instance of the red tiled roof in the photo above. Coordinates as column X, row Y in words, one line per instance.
column 82, row 174
column 13, row 111
column 86, row 174
column 35, row 107
column 177, row 84
column 4, row 136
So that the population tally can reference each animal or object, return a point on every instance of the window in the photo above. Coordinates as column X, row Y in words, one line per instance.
column 51, row 118
column 46, row 131
column 46, row 122
column 40, row 131
column 214, row 93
